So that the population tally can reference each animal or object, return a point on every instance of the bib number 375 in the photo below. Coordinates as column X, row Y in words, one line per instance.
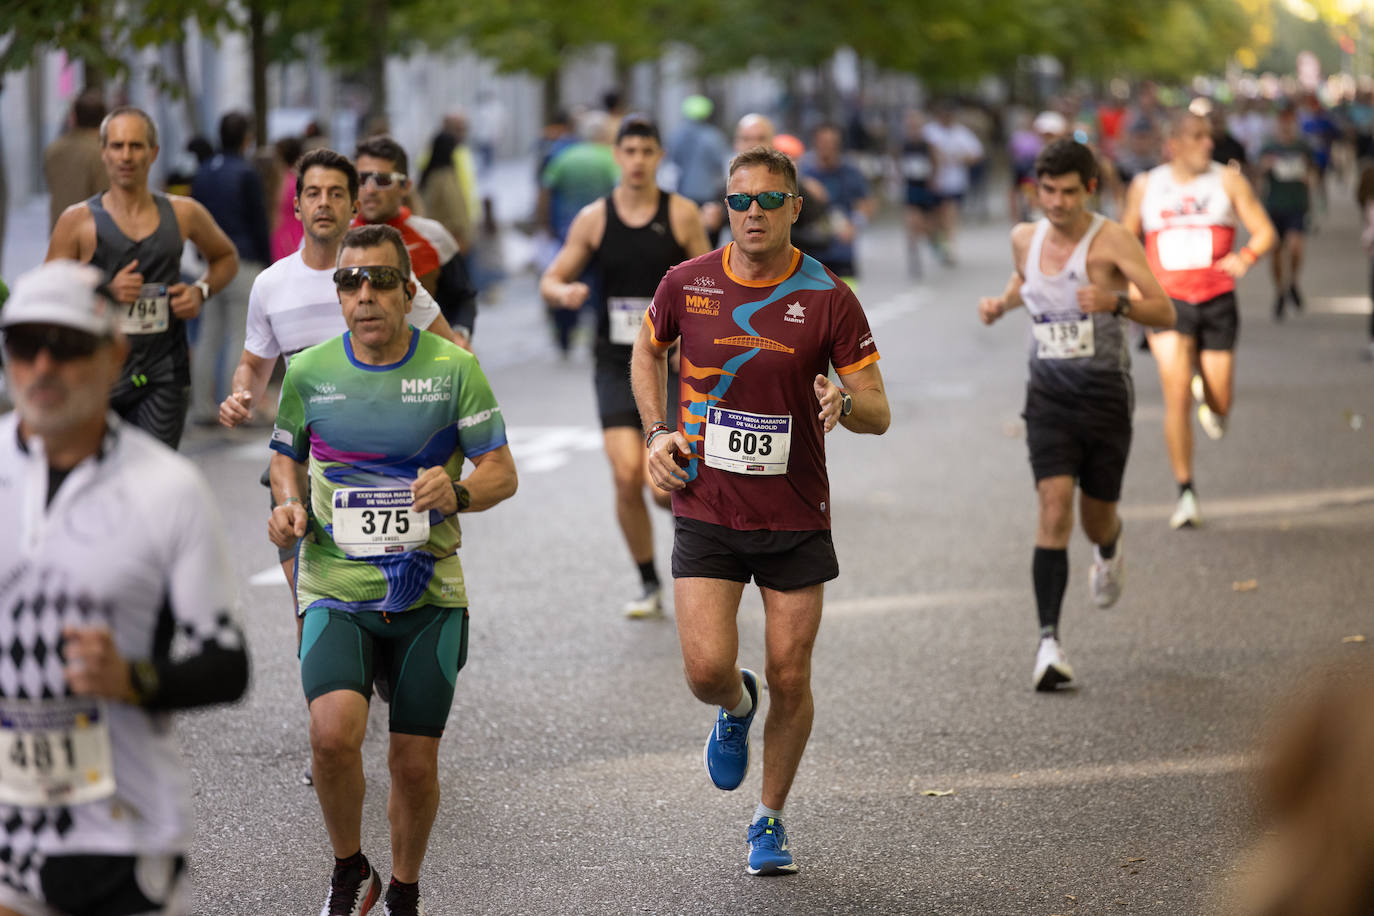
column 371, row 522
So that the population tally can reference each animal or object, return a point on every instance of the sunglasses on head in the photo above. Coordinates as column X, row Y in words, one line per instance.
column 381, row 179
column 380, row 276
column 768, row 200
column 24, row 341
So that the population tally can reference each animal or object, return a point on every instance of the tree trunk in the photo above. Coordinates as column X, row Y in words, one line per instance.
column 257, row 40
column 93, row 13
column 190, row 102
column 376, row 62
column 4, row 186
column 549, row 95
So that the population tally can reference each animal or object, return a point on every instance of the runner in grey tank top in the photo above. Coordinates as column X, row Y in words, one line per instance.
column 154, row 388
column 1073, row 268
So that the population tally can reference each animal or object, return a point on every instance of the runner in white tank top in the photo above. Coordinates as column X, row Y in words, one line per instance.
column 1072, row 270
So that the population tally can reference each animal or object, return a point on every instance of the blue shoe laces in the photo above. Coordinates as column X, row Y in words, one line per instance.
column 766, row 833
column 731, row 733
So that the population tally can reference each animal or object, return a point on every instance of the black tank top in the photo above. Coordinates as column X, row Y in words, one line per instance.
column 629, row 265
column 159, row 358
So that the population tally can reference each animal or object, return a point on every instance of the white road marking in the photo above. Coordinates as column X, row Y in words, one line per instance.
column 1340, row 305
column 1264, row 504
column 918, row 601
column 1124, row 771
column 272, row 575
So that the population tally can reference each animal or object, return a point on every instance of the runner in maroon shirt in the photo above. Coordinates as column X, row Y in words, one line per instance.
column 760, row 325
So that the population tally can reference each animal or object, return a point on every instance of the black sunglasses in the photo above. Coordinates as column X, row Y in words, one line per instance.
column 380, row 276
column 768, row 200
column 24, row 341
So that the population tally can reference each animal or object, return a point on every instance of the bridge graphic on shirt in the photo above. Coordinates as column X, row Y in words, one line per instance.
column 749, row 343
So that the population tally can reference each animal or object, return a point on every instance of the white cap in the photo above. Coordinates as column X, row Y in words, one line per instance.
column 61, row 293
column 1050, row 122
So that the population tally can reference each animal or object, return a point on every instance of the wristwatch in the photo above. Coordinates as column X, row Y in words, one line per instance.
column 1123, row 305
column 846, row 404
column 204, row 288
column 461, row 494
column 144, row 680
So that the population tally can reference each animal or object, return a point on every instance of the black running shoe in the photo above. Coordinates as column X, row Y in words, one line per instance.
column 352, row 890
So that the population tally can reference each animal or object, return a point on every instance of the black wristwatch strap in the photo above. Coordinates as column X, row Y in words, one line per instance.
column 461, row 494
column 846, row 404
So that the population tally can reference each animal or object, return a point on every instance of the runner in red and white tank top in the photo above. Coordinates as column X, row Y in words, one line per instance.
column 1190, row 226
column 1188, row 210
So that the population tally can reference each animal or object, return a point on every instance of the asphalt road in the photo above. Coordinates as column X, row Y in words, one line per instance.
column 571, row 771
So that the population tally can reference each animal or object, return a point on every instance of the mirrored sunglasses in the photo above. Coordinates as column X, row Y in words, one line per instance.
column 768, row 200
column 381, row 276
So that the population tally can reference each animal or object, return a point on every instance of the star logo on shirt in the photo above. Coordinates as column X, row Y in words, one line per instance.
column 796, row 313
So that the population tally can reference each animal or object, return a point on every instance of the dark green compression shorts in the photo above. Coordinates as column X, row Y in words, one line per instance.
column 427, row 647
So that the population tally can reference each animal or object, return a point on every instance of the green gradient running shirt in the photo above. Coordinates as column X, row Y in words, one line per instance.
column 366, row 431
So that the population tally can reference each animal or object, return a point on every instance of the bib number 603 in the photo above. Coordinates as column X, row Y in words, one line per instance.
column 750, row 443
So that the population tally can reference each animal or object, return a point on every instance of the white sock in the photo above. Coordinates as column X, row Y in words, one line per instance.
column 764, row 811
column 746, row 703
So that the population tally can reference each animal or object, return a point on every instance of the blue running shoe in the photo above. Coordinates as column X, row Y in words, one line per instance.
column 768, row 850
column 727, row 748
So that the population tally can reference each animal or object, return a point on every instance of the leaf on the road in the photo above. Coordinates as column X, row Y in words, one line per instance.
column 1245, row 585
column 1071, row 897
column 1358, row 637
column 1136, row 859
column 937, row 793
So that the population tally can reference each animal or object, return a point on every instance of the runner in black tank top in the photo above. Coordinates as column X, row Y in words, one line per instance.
column 629, row 264
column 623, row 266
column 154, row 390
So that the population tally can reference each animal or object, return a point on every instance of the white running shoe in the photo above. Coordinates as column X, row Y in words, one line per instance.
column 1051, row 667
column 1212, row 423
column 648, row 606
column 1108, row 575
column 1186, row 514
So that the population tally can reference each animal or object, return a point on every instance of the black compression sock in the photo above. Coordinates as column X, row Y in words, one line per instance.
column 1107, row 551
column 648, row 575
column 1050, row 573
column 357, row 860
column 400, row 892
column 1185, row 487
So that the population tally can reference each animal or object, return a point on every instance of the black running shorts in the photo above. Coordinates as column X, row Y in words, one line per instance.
column 1091, row 452
column 1215, row 324
column 159, row 410
column 98, row 883
column 427, row 647
column 780, row 560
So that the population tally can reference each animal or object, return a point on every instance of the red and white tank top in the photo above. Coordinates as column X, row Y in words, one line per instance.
column 1189, row 227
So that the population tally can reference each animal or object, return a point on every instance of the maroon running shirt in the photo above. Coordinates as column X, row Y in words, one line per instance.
column 750, row 355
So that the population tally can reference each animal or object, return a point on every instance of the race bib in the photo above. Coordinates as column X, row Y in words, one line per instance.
column 376, row 521
column 149, row 313
column 627, row 314
column 1058, row 337
column 55, row 752
column 1290, row 168
column 1185, row 248
column 747, row 443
